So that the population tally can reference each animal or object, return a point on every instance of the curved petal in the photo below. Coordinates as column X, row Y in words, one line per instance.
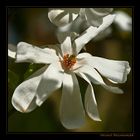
column 72, row 113
column 51, row 80
column 23, row 98
column 95, row 15
column 114, row 70
column 66, row 46
column 94, row 76
column 90, row 100
column 91, row 33
column 29, row 53
column 63, row 16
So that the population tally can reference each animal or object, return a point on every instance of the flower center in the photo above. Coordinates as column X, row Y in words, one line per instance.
column 68, row 61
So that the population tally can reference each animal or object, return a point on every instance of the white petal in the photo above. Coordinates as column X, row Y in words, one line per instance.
column 123, row 20
column 72, row 113
column 80, row 60
column 83, row 55
column 95, row 15
column 63, row 16
column 114, row 70
column 23, row 98
column 51, row 80
column 94, row 76
column 29, row 53
column 84, row 38
column 112, row 81
column 91, row 33
column 107, row 21
column 12, row 51
column 90, row 100
column 66, row 46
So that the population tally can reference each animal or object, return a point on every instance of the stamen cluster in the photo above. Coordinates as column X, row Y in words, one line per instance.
column 68, row 61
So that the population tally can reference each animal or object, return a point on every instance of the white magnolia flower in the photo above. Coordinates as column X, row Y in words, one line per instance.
column 63, row 63
column 63, row 16
column 77, row 20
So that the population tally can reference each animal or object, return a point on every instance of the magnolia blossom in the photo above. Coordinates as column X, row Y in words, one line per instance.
column 77, row 20
column 63, row 16
column 63, row 64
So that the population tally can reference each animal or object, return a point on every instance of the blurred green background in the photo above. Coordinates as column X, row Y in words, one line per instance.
column 32, row 25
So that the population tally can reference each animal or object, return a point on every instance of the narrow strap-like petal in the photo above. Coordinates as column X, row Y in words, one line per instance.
column 66, row 46
column 51, row 80
column 114, row 70
column 23, row 98
column 91, row 33
column 72, row 113
column 90, row 100
column 94, row 77
column 29, row 53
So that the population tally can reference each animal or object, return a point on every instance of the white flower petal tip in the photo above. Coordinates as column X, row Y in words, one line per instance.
column 19, row 107
column 22, row 43
column 107, row 21
column 99, row 120
column 63, row 16
column 70, row 125
column 33, row 54
column 39, row 102
column 113, row 89
column 127, row 70
column 72, row 113
column 124, row 21
column 12, row 51
column 94, row 118
column 23, row 98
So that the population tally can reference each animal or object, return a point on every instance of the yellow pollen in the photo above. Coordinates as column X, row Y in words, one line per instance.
column 68, row 61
